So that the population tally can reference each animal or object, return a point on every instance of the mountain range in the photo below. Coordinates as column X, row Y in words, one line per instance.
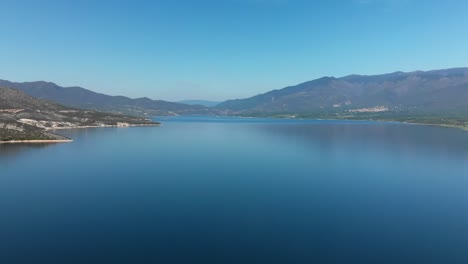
column 435, row 97
column 440, row 90
column 86, row 99
column 429, row 96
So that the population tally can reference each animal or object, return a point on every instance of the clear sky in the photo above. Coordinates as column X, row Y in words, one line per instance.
column 222, row 49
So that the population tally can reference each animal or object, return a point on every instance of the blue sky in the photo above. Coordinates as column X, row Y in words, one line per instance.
column 217, row 50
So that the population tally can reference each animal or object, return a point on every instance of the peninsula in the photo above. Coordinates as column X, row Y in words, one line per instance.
column 24, row 119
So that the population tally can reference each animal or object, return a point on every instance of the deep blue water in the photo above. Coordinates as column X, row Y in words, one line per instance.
column 230, row 190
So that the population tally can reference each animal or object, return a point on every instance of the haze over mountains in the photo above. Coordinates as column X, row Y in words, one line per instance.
column 439, row 96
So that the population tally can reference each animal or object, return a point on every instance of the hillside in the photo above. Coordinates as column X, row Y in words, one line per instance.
column 431, row 97
column 23, row 117
column 439, row 96
column 86, row 99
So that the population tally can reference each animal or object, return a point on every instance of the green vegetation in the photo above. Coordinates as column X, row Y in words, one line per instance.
column 434, row 97
column 446, row 120
column 23, row 117
column 11, row 131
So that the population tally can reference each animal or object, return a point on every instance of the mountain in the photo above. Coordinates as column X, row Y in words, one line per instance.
column 434, row 97
column 199, row 102
column 86, row 99
column 23, row 117
column 403, row 96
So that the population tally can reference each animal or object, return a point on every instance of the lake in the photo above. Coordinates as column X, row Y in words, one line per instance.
column 238, row 190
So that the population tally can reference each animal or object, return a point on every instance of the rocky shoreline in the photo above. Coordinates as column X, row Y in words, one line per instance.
column 103, row 126
column 61, row 139
column 39, row 141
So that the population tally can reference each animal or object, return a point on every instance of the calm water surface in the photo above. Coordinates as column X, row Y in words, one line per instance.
column 227, row 190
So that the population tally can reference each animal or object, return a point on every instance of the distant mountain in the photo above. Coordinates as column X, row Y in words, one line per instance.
column 200, row 102
column 86, row 99
column 399, row 95
column 437, row 97
column 23, row 117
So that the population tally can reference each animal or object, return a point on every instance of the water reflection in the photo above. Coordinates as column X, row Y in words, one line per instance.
column 399, row 138
column 271, row 191
column 10, row 150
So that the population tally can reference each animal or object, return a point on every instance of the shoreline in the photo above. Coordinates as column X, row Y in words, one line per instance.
column 37, row 141
column 68, row 140
column 103, row 126
column 438, row 125
column 290, row 117
column 465, row 128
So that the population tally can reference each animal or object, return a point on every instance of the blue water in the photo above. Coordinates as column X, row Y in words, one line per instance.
column 237, row 190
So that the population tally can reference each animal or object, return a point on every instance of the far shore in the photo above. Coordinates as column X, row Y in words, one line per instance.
column 63, row 139
column 439, row 125
column 465, row 128
column 294, row 117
